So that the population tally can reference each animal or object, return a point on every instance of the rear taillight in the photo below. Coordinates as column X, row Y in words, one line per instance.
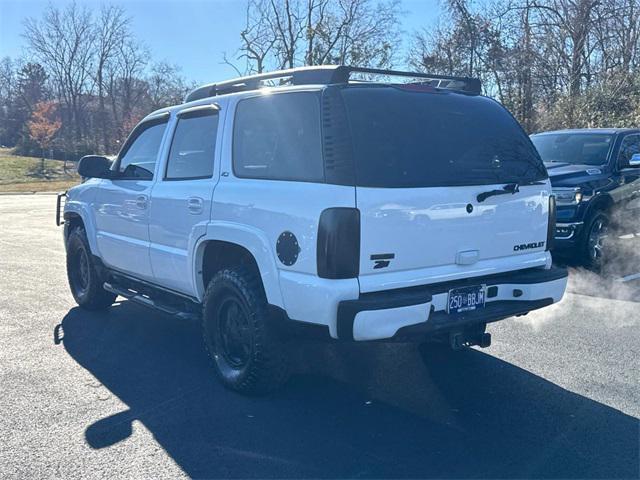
column 551, row 227
column 338, row 254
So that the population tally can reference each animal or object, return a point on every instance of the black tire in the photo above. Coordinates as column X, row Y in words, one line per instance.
column 84, row 280
column 593, row 249
column 241, row 339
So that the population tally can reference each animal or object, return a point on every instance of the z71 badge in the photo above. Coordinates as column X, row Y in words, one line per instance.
column 382, row 260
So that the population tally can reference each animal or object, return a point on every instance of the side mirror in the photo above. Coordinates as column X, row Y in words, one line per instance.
column 94, row 166
column 634, row 161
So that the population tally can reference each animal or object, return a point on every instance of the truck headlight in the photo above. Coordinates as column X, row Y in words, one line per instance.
column 567, row 196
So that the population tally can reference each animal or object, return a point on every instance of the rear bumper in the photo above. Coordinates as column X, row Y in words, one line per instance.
column 423, row 310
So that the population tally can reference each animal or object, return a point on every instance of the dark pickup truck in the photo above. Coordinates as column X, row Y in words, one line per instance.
column 595, row 175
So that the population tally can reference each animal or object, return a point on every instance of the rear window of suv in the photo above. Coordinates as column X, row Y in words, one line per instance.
column 407, row 138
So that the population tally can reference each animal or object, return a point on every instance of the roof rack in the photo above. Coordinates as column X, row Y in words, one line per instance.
column 328, row 75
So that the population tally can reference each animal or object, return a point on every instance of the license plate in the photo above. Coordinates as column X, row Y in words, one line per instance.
column 464, row 299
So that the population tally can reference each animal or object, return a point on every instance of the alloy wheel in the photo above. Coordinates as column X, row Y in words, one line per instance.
column 597, row 239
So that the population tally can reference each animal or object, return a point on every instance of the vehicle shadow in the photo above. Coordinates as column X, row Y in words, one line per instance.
column 373, row 410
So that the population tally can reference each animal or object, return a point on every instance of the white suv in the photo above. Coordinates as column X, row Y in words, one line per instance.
column 360, row 209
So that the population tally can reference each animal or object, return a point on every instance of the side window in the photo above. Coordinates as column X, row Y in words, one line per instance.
column 630, row 146
column 193, row 147
column 138, row 160
column 277, row 137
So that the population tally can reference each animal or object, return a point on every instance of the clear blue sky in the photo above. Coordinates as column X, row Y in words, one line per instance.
column 190, row 33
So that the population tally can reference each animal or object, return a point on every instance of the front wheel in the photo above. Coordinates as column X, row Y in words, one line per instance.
column 84, row 280
column 595, row 242
column 244, row 345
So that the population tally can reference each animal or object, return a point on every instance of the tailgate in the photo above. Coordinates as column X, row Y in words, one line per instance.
column 427, row 235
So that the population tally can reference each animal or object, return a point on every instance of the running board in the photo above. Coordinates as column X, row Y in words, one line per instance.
column 147, row 302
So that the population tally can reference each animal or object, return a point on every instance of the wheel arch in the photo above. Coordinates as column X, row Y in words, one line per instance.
column 601, row 203
column 72, row 220
column 226, row 244
column 76, row 214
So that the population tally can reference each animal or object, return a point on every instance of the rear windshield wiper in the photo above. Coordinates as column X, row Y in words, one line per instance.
column 508, row 188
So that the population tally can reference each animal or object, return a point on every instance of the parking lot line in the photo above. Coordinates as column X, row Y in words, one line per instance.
column 628, row 278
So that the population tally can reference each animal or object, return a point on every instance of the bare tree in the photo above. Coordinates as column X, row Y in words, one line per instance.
column 257, row 38
column 165, row 85
column 286, row 20
column 7, row 80
column 64, row 42
column 458, row 47
column 124, row 85
column 112, row 31
column 289, row 33
column 8, row 125
column 358, row 32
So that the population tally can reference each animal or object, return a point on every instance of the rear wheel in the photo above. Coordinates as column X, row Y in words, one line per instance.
column 247, row 352
column 594, row 248
column 84, row 279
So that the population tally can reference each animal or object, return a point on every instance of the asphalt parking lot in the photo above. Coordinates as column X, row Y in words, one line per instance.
column 129, row 392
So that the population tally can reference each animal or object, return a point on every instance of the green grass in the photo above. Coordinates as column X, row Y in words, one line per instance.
column 26, row 174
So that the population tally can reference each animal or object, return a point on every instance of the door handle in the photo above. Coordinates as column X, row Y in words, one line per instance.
column 194, row 205
column 141, row 202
